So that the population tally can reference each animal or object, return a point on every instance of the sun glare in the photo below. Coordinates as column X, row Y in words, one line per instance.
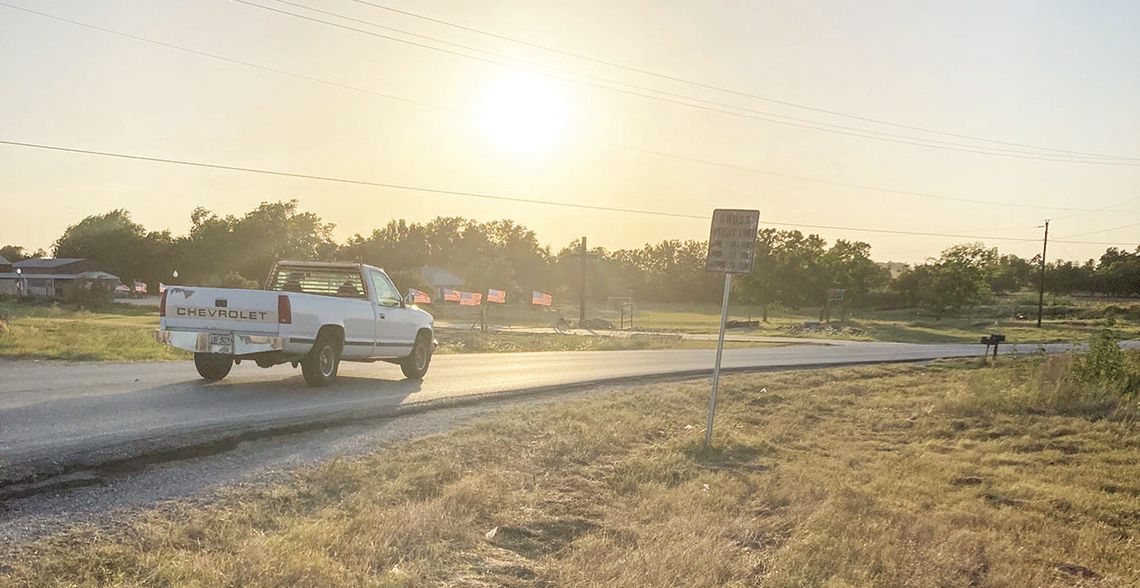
column 523, row 113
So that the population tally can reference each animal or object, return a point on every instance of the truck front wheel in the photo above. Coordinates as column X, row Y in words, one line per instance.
column 415, row 365
column 213, row 366
column 320, row 366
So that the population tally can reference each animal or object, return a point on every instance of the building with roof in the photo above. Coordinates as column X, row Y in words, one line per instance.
column 50, row 278
column 57, row 265
column 439, row 278
column 7, row 287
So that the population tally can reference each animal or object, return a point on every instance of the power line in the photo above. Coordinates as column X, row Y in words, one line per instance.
column 727, row 90
column 857, row 186
column 679, row 99
column 322, row 178
column 715, row 106
column 220, row 57
column 487, row 196
column 658, row 153
column 609, row 144
column 1128, row 226
column 1101, row 209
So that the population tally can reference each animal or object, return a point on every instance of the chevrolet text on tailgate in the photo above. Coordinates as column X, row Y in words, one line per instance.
column 313, row 314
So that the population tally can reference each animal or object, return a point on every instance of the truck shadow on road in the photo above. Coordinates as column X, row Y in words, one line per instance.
column 294, row 387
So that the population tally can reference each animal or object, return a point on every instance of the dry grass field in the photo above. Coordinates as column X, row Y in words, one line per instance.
column 947, row 474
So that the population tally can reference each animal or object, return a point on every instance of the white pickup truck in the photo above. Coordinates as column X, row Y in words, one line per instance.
column 312, row 314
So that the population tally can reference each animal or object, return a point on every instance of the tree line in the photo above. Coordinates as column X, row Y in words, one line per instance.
column 792, row 269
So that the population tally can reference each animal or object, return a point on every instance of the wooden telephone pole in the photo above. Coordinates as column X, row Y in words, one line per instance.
column 1041, row 292
column 582, row 288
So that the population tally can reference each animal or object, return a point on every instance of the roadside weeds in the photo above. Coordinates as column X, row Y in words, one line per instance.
column 858, row 476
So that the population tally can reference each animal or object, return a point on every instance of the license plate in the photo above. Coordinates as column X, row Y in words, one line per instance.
column 221, row 342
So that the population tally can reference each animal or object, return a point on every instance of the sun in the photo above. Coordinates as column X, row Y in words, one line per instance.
column 523, row 113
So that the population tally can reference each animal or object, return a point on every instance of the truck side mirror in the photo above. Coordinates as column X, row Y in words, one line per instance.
column 409, row 298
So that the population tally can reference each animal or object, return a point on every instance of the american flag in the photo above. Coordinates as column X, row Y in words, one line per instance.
column 470, row 298
column 540, row 298
column 161, row 287
column 496, row 296
column 420, row 297
column 140, row 288
column 450, row 295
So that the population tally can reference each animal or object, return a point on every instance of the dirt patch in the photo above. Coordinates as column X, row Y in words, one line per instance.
column 999, row 500
column 1077, row 570
column 537, row 538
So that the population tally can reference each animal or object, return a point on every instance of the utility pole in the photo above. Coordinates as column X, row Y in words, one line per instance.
column 1041, row 292
column 582, row 290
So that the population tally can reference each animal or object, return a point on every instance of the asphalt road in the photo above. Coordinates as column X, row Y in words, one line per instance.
column 58, row 417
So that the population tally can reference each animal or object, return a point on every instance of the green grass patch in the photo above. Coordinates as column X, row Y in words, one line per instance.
column 55, row 331
column 123, row 332
column 873, row 476
column 1064, row 321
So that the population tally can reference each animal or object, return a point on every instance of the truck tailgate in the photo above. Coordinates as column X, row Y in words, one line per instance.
column 221, row 309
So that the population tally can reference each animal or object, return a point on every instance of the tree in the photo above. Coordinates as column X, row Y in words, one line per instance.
column 958, row 278
column 119, row 244
column 798, row 272
column 848, row 265
column 251, row 243
column 276, row 230
column 760, row 287
column 1012, row 273
column 1119, row 272
column 14, row 253
column 1066, row 277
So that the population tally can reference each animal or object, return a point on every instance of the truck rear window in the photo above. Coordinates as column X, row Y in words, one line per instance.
column 342, row 283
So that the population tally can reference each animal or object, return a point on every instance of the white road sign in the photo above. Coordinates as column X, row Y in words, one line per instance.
column 732, row 241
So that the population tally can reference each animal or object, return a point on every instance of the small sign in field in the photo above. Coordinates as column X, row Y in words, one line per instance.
column 732, row 247
column 732, row 241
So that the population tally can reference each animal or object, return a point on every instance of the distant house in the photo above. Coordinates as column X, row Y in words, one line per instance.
column 7, row 287
column 49, row 278
column 439, row 278
column 896, row 268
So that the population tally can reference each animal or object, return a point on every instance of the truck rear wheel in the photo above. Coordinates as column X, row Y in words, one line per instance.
column 416, row 365
column 212, row 366
column 320, row 366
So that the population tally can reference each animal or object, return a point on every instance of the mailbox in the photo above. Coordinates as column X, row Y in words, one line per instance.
column 993, row 339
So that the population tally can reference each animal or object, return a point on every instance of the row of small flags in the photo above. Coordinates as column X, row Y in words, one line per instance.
column 476, row 298
column 139, row 288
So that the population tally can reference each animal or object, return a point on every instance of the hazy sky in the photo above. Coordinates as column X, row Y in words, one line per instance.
column 1057, row 74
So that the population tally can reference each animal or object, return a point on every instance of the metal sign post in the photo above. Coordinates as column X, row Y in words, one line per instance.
column 732, row 246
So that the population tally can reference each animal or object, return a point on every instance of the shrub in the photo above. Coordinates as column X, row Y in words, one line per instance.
column 230, row 280
column 884, row 300
column 1102, row 382
column 1058, row 389
column 1103, row 363
column 88, row 293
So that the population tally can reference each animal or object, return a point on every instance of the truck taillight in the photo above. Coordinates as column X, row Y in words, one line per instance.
column 162, row 304
column 284, row 310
